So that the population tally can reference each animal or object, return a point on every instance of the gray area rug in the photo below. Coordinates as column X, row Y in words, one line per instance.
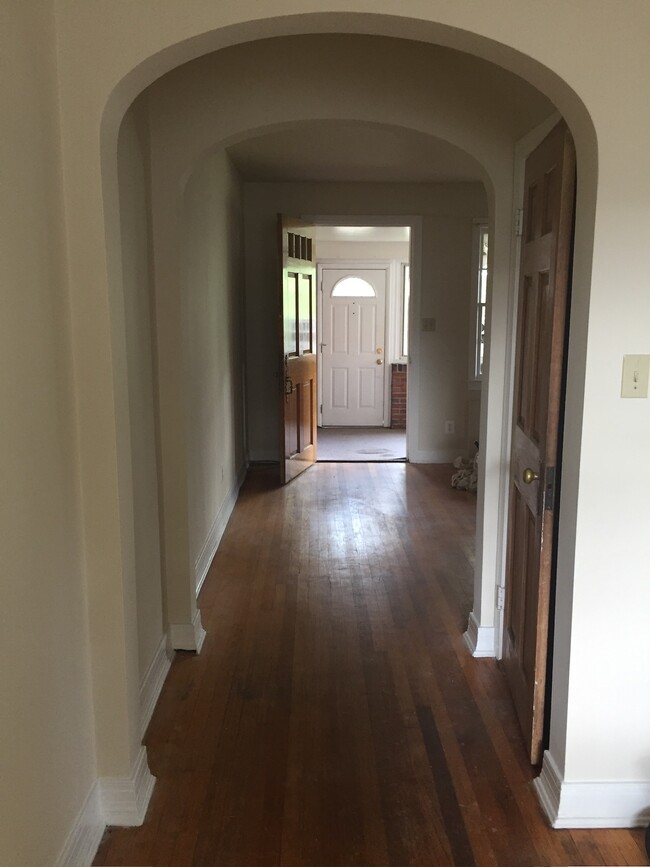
column 361, row 444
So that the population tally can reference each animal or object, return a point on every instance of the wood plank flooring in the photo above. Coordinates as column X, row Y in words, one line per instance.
column 334, row 716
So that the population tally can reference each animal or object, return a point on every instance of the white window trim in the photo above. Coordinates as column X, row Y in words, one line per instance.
column 474, row 379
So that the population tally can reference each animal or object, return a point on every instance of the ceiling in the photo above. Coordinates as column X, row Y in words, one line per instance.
column 349, row 151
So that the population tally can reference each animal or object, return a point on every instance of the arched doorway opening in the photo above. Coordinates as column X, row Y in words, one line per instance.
column 491, row 513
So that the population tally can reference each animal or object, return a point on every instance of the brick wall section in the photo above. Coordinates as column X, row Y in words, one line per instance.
column 398, row 385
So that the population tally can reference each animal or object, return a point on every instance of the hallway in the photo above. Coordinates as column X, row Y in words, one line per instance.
column 334, row 716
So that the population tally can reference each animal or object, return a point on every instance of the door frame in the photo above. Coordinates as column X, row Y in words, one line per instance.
column 414, row 223
column 355, row 265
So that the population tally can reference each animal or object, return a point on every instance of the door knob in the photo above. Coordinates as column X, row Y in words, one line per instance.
column 380, row 361
column 529, row 476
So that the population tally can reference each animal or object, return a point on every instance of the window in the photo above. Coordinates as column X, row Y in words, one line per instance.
column 480, row 295
column 406, row 297
column 353, row 287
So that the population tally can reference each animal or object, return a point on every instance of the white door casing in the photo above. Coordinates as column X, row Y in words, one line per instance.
column 353, row 346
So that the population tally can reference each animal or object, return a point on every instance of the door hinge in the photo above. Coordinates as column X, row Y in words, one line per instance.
column 519, row 222
column 321, row 409
column 501, row 597
column 549, row 489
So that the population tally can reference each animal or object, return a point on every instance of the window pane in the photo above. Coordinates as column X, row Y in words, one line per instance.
column 306, row 315
column 406, row 298
column 482, row 287
column 481, row 339
column 353, row 287
column 484, row 250
column 290, row 306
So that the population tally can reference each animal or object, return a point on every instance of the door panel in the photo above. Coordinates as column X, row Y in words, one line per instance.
column 352, row 350
column 298, row 345
column 543, row 298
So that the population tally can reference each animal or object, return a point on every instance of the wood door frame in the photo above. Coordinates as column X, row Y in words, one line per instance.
column 414, row 223
column 353, row 265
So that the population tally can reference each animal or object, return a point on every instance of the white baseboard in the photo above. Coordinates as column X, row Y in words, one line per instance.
column 591, row 804
column 86, row 833
column 125, row 799
column 436, row 456
column 479, row 639
column 205, row 558
column 187, row 636
column 152, row 683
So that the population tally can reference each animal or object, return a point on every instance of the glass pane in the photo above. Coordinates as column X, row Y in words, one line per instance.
column 406, row 298
column 482, row 287
column 305, row 315
column 481, row 339
column 290, row 314
column 353, row 287
column 484, row 250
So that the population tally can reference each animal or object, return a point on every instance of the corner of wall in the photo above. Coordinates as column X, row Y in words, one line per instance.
column 591, row 803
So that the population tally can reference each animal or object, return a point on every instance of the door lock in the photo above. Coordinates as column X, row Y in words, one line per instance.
column 380, row 361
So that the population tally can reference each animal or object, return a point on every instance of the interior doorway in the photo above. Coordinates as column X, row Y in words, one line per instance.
column 363, row 328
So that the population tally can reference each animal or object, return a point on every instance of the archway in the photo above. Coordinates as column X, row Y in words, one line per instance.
column 494, row 419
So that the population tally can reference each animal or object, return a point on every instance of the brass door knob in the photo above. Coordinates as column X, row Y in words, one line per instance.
column 380, row 361
column 529, row 476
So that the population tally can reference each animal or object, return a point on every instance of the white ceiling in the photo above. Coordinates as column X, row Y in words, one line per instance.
column 349, row 151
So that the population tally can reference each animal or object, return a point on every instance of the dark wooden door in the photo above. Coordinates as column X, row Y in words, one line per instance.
column 543, row 296
column 298, row 393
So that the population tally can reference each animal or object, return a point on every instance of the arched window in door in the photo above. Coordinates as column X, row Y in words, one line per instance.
column 353, row 287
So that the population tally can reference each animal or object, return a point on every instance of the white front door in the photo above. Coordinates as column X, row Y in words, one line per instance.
column 352, row 345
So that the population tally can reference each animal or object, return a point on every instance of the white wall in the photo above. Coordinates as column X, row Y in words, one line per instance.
column 441, row 357
column 133, row 160
column 107, row 53
column 46, row 744
column 212, row 300
column 363, row 251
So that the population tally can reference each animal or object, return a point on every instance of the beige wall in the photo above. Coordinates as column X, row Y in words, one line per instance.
column 211, row 277
column 440, row 358
column 107, row 53
column 46, row 742
column 133, row 161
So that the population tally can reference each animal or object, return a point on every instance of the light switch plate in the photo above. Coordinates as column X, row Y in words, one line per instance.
column 636, row 373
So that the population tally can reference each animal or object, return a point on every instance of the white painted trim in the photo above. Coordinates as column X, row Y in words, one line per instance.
column 414, row 222
column 86, row 833
column 479, row 639
column 436, row 456
column 125, row 799
column 205, row 558
column 591, row 804
column 187, row 636
column 153, row 681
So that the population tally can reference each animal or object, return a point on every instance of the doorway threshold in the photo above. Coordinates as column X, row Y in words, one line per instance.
column 361, row 444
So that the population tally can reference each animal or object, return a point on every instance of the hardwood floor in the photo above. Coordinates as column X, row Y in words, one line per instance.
column 334, row 716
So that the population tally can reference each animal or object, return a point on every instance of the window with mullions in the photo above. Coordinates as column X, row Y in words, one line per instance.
column 481, row 300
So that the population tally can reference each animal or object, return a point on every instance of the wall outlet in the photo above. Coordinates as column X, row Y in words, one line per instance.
column 450, row 427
